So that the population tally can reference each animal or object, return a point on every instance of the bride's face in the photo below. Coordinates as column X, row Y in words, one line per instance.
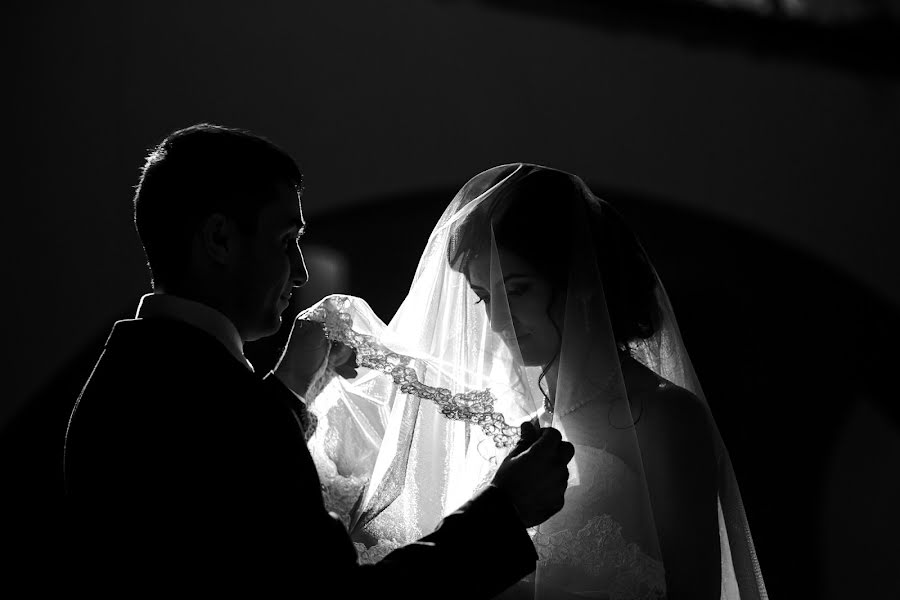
column 535, row 312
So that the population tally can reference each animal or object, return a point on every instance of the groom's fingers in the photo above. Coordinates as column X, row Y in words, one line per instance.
column 526, row 438
column 343, row 360
column 307, row 348
column 309, row 327
column 341, row 354
column 551, row 446
column 528, row 434
column 307, row 335
column 566, row 452
column 346, row 371
column 549, row 437
column 531, row 431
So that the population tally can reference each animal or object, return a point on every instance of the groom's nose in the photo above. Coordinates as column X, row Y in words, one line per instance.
column 299, row 274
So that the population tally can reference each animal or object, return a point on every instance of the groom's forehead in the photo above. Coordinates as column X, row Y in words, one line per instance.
column 286, row 210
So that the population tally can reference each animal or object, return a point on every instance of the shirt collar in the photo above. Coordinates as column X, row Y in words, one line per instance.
column 199, row 315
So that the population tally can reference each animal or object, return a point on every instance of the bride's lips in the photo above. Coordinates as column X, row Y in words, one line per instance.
column 517, row 338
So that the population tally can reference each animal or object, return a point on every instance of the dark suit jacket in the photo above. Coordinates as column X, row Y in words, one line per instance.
column 184, row 470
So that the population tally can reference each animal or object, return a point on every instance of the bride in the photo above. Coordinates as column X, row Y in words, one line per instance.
column 533, row 300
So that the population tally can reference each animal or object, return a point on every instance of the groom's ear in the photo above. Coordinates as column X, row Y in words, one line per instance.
column 218, row 237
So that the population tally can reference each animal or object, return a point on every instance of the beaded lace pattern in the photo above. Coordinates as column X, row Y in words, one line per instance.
column 475, row 406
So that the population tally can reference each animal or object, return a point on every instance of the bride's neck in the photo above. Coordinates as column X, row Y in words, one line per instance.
column 629, row 369
column 551, row 375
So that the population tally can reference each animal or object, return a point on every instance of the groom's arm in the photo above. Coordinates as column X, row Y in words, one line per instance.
column 483, row 548
column 476, row 552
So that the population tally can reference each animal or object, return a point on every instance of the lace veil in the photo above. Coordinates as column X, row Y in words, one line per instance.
column 532, row 300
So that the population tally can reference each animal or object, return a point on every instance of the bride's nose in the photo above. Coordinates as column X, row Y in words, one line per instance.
column 503, row 323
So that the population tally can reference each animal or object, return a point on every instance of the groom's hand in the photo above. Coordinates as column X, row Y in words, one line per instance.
column 534, row 475
column 342, row 359
column 308, row 353
column 305, row 356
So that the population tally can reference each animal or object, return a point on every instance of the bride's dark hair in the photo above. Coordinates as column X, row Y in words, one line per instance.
column 537, row 217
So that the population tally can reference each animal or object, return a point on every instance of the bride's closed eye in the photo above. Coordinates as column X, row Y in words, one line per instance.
column 510, row 291
column 483, row 295
column 516, row 290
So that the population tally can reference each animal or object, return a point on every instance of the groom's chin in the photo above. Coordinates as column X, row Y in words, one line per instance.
column 265, row 329
column 272, row 326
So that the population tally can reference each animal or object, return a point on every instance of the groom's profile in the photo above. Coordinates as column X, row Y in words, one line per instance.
column 186, row 470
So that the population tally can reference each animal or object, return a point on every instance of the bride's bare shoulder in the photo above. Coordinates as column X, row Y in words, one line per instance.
column 666, row 407
column 676, row 435
column 674, row 401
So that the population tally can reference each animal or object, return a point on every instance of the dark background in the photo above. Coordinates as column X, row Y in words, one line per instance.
column 756, row 159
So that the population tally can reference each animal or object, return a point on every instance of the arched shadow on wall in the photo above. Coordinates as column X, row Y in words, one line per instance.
column 855, row 42
column 789, row 351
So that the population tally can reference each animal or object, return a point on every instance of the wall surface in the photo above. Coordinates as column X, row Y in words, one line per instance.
column 375, row 99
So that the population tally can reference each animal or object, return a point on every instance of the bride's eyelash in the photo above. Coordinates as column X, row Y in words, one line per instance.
column 509, row 292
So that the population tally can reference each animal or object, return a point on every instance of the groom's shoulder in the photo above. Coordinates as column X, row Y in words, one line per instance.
column 166, row 339
column 161, row 365
column 142, row 331
column 168, row 354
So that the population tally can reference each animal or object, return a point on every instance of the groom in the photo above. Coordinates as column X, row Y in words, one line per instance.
column 187, row 471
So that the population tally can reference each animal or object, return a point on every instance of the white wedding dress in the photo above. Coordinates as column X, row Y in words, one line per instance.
column 594, row 545
column 588, row 544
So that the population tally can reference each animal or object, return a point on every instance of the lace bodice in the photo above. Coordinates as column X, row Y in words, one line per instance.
column 588, row 546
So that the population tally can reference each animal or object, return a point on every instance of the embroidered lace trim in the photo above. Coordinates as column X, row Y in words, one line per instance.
column 474, row 407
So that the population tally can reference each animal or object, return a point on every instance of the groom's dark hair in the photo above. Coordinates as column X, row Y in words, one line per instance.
column 195, row 172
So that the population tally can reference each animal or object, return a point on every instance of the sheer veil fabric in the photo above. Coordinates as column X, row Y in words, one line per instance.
column 466, row 358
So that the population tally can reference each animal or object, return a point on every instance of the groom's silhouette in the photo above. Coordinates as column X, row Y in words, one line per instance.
column 187, row 471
